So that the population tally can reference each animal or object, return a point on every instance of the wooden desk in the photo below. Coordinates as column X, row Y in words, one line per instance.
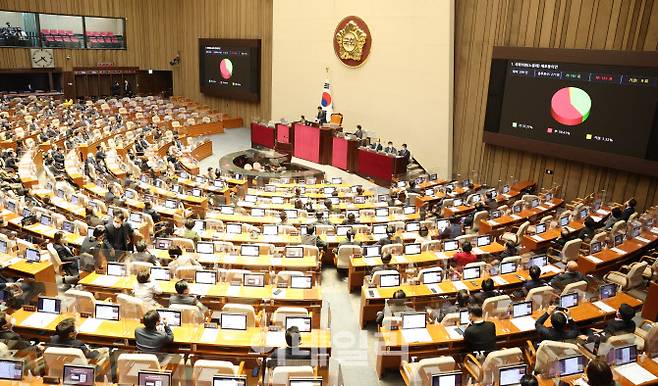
column 542, row 241
column 305, row 263
column 373, row 299
column 647, row 363
column 361, row 266
column 392, row 348
column 502, row 222
column 610, row 258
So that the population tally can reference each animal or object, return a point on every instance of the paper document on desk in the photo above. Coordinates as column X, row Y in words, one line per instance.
column 459, row 285
column 594, row 259
column 478, row 251
column 635, row 373
column 370, row 261
column 199, row 289
column 604, row 307
column 617, row 250
column 596, row 218
column 12, row 261
column 499, row 280
column 90, row 325
column 537, row 238
column 492, row 222
column 106, row 281
column 38, row 320
column 276, row 261
column 550, row 268
column 441, row 255
column 452, row 332
column 275, row 339
column 414, row 335
column 209, row 335
column 401, row 259
column 642, row 239
column 540, row 207
column 602, row 212
column 332, row 239
column 525, row 323
column 515, row 216
column 654, row 230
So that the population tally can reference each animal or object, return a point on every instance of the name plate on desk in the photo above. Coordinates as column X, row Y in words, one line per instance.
column 499, row 280
column 452, row 332
column 604, row 307
column 370, row 261
column 434, row 288
column 90, row 325
column 478, row 251
column 618, row 251
column 594, row 259
column 200, row 289
column 515, row 216
column 276, row 261
column 230, row 259
column 459, row 285
column 39, row 320
column 537, row 238
column 526, row 323
column 106, row 281
column 642, row 239
column 416, row 335
column 209, row 335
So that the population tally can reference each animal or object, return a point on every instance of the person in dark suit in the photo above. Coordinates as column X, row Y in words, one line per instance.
column 155, row 216
column 149, row 339
column 118, row 237
column 7, row 336
column 310, row 238
column 487, row 292
column 322, row 116
column 66, row 334
column 615, row 215
column 480, row 335
column 376, row 145
column 570, row 276
column 565, row 237
column 560, row 329
column 510, row 249
column 359, row 132
column 453, row 230
column 535, row 280
column 389, row 239
column 292, row 352
column 389, row 149
column 404, row 152
column 629, row 210
column 589, row 231
column 623, row 322
column 71, row 262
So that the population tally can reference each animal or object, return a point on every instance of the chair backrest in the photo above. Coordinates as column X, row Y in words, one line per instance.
column 57, row 357
column 281, row 374
column 280, row 314
column 130, row 307
column 579, row 286
column 284, row 276
column 377, row 275
column 479, row 216
column 54, row 258
column 496, row 306
column 521, row 231
column 634, row 276
column 190, row 314
column 245, row 309
column 423, row 271
column 480, row 264
column 205, row 369
column 345, row 253
column 84, row 301
column 618, row 226
column 311, row 250
column 235, row 276
column 185, row 244
column 571, row 250
column 541, row 296
column 651, row 340
column 129, row 365
column 510, row 259
column 135, row 267
column 394, row 249
column 428, row 366
column 497, row 359
column 550, row 351
column 433, row 245
column 600, row 237
column 451, row 319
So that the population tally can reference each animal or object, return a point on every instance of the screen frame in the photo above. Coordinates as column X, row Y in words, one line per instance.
column 237, row 95
column 569, row 153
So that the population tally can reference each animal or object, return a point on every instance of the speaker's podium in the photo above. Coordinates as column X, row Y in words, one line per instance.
column 344, row 152
column 313, row 143
column 380, row 166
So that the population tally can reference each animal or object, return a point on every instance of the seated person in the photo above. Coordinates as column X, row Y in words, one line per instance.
column 389, row 149
column 155, row 216
column 65, row 334
column 146, row 290
column 453, row 230
column 565, row 236
column 460, row 259
column 183, row 296
column 389, row 238
column 143, row 255
column 529, row 380
column 615, row 215
column 623, row 322
column 629, row 210
column 463, row 300
column 510, row 249
column 350, row 219
column 570, row 276
column 376, row 145
column 487, row 292
column 281, row 356
column 71, row 264
column 349, row 239
column 283, row 216
column 598, row 373
column 190, row 233
column 589, row 231
column 310, row 238
column 423, row 235
column 149, row 339
column 394, row 307
column 560, row 329
column 179, row 259
column 9, row 337
column 480, row 335
column 535, row 280
column 386, row 261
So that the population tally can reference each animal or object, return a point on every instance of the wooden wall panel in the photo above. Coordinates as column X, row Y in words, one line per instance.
column 585, row 24
column 156, row 31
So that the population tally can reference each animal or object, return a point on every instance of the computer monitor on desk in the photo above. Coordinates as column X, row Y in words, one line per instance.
column 511, row 375
column 78, row 375
column 453, row 378
column 414, row 320
column 11, row 369
column 607, row 291
column 229, row 380
column 153, row 378
column 571, row 366
column 569, row 300
column 471, row 273
column 389, row 280
column 624, row 355
column 316, row 381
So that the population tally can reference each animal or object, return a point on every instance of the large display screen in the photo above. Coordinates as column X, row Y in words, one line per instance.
column 230, row 68
column 589, row 106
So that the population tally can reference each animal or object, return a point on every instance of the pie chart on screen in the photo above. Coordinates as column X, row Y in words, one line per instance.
column 226, row 68
column 570, row 106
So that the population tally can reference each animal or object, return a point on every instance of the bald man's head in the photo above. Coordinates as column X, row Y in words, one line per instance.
column 572, row 266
